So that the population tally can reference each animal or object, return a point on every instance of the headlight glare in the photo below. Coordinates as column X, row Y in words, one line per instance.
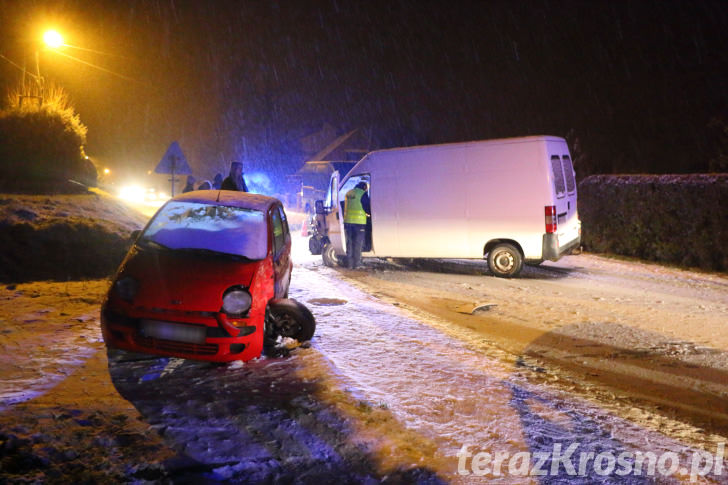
column 236, row 302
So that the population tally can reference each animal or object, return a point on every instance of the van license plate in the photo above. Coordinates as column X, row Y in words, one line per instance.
column 179, row 332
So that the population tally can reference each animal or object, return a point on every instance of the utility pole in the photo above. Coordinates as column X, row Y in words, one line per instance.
column 26, row 94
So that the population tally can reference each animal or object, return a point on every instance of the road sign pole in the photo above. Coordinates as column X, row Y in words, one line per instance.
column 174, row 162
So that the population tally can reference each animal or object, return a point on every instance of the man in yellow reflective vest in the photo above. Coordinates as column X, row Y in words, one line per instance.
column 356, row 211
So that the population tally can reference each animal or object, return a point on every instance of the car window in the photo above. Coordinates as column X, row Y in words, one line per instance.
column 278, row 236
column 351, row 183
column 569, row 174
column 558, row 176
column 331, row 194
column 190, row 225
column 286, row 232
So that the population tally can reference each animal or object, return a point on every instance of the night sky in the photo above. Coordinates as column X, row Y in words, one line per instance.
column 635, row 86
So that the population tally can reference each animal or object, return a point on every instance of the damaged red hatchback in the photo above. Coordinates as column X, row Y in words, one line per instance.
column 207, row 279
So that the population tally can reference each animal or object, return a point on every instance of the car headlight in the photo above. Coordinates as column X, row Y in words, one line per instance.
column 126, row 288
column 236, row 302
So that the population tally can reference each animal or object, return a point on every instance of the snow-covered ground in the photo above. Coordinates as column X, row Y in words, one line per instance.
column 613, row 358
column 460, row 386
column 637, row 331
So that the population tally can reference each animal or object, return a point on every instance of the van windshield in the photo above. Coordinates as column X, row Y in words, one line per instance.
column 214, row 228
column 351, row 183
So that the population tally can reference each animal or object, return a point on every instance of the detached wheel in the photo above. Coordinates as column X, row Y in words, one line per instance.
column 505, row 260
column 329, row 256
column 289, row 318
column 315, row 245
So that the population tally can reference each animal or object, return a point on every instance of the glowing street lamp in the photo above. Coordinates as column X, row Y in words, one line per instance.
column 53, row 39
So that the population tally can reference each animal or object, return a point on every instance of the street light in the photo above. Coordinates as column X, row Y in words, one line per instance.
column 53, row 39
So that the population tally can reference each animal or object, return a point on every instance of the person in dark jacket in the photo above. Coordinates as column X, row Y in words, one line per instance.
column 217, row 182
column 235, row 180
column 190, row 184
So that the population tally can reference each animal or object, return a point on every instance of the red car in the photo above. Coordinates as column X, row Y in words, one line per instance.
column 207, row 279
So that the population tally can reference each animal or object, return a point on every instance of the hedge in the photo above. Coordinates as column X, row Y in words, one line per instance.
column 679, row 219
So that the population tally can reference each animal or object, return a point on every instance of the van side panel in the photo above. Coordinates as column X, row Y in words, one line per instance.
column 448, row 202
column 431, row 218
column 507, row 189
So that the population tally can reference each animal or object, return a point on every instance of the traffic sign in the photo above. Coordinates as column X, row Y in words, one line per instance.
column 173, row 162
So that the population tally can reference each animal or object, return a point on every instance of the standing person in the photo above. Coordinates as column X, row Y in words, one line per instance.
column 205, row 185
column 356, row 211
column 235, row 180
column 217, row 183
column 190, row 184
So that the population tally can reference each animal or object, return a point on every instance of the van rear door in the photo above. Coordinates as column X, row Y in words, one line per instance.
column 564, row 187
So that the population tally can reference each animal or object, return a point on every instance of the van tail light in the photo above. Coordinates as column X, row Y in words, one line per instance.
column 551, row 219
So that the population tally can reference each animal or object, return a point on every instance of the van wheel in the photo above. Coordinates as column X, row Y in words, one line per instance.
column 505, row 260
column 329, row 256
column 314, row 245
column 289, row 318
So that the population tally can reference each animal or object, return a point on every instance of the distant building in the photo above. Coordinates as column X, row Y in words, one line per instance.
column 326, row 152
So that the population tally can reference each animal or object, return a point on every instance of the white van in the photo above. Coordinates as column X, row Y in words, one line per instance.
column 510, row 200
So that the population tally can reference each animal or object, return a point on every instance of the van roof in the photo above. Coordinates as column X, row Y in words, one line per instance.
column 230, row 198
column 496, row 141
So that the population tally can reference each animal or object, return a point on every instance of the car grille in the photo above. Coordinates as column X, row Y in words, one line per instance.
column 173, row 346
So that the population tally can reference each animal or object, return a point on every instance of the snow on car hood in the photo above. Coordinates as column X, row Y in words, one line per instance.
column 184, row 281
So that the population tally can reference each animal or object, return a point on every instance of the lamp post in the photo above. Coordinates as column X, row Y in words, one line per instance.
column 54, row 40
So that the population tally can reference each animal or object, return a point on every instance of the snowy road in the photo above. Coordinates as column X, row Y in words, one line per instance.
column 645, row 334
column 425, row 372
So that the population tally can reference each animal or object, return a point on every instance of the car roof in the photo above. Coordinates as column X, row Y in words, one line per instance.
column 230, row 198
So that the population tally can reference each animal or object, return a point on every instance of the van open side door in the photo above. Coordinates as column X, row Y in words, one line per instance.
column 335, row 216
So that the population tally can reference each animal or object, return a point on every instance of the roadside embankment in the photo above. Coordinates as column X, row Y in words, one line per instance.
column 678, row 219
column 63, row 237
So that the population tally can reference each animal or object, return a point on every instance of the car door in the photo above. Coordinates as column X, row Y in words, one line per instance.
column 335, row 216
column 282, row 263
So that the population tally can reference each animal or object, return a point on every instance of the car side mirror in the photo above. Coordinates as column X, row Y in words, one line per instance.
column 320, row 207
column 134, row 235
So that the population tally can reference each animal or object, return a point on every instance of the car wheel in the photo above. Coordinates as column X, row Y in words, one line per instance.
column 329, row 256
column 505, row 260
column 289, row 318
column 314, row 245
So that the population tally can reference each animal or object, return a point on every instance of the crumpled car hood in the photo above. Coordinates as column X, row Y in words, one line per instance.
column 183, row 281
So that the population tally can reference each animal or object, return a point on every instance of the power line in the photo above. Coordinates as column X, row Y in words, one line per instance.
column 101, row 68
column 20, row 67
column 95, row 51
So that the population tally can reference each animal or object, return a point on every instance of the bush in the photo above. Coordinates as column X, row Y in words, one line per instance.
column 41, row 147
column 677, row 219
